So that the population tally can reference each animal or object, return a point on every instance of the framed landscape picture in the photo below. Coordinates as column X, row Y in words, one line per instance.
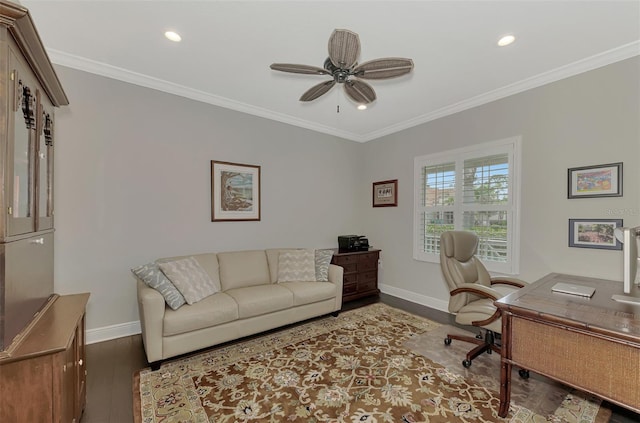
column 385, row 193
column 235, row 192
column 594, row 233
column 596, row 181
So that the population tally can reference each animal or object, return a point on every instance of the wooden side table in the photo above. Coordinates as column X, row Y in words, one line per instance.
column 360, row 272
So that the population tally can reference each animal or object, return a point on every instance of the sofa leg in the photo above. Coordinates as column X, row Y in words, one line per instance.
column 155, row 365
column 335, row 313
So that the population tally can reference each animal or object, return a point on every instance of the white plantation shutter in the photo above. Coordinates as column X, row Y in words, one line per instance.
column 469, row 189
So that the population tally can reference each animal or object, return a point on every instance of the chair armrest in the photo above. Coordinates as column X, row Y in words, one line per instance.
column 505, row 280
column 151, row 308
column 480, row 290
column 336, row 274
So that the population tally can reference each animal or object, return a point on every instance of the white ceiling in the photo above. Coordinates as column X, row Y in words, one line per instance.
column 228, row 46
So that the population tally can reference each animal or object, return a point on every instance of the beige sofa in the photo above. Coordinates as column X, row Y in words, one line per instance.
column 251, row 300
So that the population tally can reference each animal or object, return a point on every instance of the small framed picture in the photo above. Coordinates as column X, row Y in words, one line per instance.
column 385, row 193
column 595, row 181
column 235, row 192
column 594, row 233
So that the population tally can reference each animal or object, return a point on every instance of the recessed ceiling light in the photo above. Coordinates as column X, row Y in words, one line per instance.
column 173, row 36
column 506, row 40
column 362, row 107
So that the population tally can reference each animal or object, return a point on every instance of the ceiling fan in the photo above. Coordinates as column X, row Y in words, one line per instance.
column 342, row 66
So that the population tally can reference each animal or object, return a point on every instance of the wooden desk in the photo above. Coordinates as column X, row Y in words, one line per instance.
column 592, row 344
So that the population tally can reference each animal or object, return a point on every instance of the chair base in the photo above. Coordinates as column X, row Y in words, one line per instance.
column 484, row 344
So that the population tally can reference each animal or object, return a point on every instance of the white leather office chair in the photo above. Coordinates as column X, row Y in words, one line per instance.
column 473, row 291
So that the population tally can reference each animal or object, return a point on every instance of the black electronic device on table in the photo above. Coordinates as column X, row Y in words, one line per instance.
column 353, row 243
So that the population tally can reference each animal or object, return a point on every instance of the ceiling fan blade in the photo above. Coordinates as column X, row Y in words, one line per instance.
column 359, row 91
column 389, row 67
column 344, row 48
column 294, row 68
column 317, row 90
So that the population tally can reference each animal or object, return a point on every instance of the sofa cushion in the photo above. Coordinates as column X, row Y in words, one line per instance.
column 310, row 292
column 190, row 279
column 297, row 265
column 153, row 277
column 214, row 310
column 323, row 260
column 261, row 299
column 241, row 269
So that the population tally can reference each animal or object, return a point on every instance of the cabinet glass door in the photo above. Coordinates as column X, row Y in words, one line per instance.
column 44, row 163
column 21, row 152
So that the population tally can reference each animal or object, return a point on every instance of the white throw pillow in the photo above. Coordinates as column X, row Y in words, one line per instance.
column 190, row 278
column 297, row 266
column 323, row 260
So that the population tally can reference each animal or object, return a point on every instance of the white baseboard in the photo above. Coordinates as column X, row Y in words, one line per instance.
column 112, row 332
column 415, row 298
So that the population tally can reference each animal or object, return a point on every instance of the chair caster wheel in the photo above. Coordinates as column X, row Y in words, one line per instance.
column 524, row 374
column 466, row 363
column 447, row 341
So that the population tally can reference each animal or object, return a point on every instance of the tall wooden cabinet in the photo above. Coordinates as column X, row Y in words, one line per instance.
column 29, row 93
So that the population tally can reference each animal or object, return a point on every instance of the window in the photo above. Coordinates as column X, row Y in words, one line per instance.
column 472, row 189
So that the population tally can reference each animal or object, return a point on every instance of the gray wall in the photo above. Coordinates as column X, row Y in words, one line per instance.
column 133, row 183
column 588, row 119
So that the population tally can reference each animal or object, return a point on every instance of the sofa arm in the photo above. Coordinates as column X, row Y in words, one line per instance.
column 336, row 274
column 151, row 307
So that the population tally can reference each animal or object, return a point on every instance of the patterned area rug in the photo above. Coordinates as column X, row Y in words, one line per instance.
column 353, row 368
column 536, row 397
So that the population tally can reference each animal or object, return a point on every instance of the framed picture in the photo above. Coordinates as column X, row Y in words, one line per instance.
column 594, row 233
column 235, row 191
column 385, row 193
column 596, row 181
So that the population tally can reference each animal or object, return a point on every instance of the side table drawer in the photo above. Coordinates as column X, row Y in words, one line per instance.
column 350, row 278
column 342, row 260
column 369, row 276
column 349, row 288
column 367, row 263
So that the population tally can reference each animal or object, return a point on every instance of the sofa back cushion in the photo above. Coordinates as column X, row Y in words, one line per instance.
column 240, row 269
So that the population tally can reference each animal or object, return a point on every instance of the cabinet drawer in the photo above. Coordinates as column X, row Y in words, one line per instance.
column 350, row 278
column 367, row 285
column 367, row 265
column 349, row 268
column 342, row 260
column 349, row 288
column 368, row 276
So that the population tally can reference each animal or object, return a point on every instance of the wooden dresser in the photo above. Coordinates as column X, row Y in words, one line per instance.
column 360, row 272
column 44, row 377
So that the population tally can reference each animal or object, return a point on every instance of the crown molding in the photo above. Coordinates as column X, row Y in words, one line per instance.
column 124, row 75
column 599, row 60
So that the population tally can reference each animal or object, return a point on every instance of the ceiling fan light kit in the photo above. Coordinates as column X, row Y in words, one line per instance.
column 342, row 66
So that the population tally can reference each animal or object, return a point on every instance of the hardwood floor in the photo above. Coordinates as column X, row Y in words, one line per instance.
column 111, row 365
